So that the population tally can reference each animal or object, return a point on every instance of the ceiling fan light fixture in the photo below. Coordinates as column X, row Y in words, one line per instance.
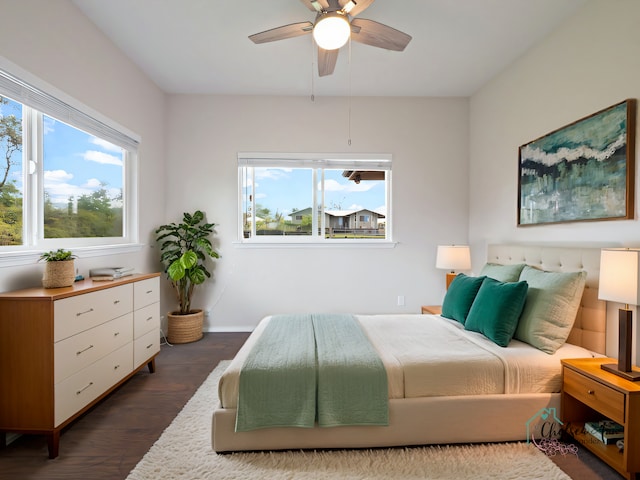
column 332, row 30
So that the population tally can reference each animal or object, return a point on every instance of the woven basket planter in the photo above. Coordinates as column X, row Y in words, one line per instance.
column 185, row 328
column 59, row 274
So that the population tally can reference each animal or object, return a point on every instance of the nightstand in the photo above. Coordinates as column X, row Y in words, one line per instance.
column 590, row 393
column 432, row 309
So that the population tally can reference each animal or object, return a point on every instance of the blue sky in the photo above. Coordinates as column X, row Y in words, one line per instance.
column 75, row 163
column 281, row 190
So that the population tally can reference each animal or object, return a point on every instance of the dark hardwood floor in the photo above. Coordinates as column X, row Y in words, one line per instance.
column 108, row 441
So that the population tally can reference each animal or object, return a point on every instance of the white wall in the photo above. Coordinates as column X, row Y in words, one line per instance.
column 428, row 140
column 56, row 43
column 591, row 62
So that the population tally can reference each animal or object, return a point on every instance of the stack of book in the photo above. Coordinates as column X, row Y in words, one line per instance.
column 112, row 273
column 607, row 431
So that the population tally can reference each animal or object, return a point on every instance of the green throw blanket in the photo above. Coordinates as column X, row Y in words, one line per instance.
column 308, row 368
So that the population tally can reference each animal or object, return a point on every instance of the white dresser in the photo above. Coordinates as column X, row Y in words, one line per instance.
column 63, row 349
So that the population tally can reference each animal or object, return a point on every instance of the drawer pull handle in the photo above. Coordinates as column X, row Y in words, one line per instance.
column 149, row 291
column 83, row 389
column 149, row 318
column 86, row 311
column 150, row 345
column 116, row 334
column 116, row 367
column 115, row 302
column 590, row 392
column 84, row 350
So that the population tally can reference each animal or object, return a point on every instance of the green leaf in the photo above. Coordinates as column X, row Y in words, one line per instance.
column 176, row 270
column 197, row 276
column 189, row 259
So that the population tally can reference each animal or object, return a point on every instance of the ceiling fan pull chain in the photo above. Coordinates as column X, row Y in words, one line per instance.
column 313, row 50
column 349, row 140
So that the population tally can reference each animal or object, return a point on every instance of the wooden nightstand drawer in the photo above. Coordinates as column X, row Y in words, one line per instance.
column 595, row 395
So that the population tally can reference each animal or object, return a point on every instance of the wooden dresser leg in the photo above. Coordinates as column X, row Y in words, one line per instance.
column 152, row 365
column 53, row 443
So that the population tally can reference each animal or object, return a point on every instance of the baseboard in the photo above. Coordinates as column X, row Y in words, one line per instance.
column 230, row 329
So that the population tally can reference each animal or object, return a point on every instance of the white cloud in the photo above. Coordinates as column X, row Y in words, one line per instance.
column 57, row 186
column 271, row 173
column 56, row 176
column 93, row 184
column 108, row 146
column 101, row 157
column 335, row 186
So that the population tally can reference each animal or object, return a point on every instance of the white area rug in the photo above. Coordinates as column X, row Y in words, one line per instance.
column 184, row 452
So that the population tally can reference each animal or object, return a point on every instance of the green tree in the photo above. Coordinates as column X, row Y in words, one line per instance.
column 10, row 142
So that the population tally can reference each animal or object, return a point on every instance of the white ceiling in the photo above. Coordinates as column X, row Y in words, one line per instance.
column 201, row 46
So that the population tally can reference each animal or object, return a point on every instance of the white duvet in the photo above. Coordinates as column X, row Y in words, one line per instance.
column 428, row 355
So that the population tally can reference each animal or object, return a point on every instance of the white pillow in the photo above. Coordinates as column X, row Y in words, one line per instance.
column 550, row 311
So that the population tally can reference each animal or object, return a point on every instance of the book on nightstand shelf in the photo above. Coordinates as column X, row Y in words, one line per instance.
column 607, row 431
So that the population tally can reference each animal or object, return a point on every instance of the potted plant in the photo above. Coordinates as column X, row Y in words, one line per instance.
column 185, row 248
column 59, row 268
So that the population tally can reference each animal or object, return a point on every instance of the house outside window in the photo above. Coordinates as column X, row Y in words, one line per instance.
column 67, row 179
column 314, row 198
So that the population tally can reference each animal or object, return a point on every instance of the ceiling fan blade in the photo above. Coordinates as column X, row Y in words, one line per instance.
column 280, row 33
column 327, row 61
column 378, row 35
column 355, row 7
column 316, row 5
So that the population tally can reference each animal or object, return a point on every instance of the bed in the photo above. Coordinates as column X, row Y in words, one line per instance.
column 494, row 408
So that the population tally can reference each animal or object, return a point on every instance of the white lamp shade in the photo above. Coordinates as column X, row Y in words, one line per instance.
column 619, row 275
column 331, row 31
column 453, row 257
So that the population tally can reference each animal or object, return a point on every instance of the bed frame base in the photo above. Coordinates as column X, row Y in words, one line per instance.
column 414, row 421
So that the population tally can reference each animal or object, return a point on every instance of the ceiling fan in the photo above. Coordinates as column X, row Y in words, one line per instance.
column 335, row 22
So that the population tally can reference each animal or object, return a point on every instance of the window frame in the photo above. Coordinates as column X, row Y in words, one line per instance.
column 314, row 161
column 41, row 98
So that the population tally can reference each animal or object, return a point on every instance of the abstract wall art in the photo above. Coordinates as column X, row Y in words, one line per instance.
column 581, row 172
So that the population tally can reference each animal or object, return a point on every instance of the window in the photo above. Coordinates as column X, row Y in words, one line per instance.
column 314, row 198
column 66, row 178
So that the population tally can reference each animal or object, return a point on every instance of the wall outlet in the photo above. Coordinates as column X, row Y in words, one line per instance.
column 401, row 300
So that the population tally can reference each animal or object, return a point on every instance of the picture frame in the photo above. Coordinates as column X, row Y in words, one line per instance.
column 583, row 171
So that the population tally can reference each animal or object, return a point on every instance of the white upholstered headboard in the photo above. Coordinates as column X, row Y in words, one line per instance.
column 589, row 331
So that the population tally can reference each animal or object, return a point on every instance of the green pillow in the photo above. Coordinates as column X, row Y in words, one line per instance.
column 503, row 273
column 552, row 305
column 459, row 297
column 496, row 310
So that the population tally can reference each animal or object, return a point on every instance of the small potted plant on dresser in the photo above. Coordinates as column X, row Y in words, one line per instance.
column 185, row 248
column 59, row 270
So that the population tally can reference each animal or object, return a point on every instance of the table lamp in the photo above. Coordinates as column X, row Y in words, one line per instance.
column 452, row 258
column 619, row 282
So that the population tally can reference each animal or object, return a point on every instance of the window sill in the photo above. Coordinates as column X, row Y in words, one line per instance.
column 330, row 244
column 26, row 257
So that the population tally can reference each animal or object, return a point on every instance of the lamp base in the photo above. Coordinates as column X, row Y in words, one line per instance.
column 632, row 375
column 450, row 277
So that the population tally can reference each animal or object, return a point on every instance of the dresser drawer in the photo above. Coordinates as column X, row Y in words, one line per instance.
column 146, row 292
column 146, row 319
column 79, row 351
column 82, row 312
column 594, row 394
column 77, row 391
column 145, row 347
